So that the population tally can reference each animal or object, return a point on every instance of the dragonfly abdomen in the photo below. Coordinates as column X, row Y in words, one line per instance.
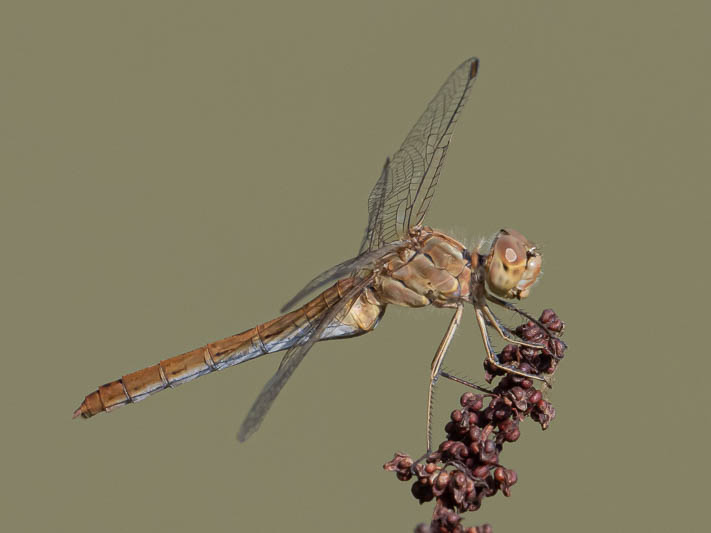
column 168, row 373
column 276, row 335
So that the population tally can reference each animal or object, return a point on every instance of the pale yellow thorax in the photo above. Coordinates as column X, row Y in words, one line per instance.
column 434, row 270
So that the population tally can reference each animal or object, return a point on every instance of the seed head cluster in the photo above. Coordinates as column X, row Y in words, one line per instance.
column 465, row 468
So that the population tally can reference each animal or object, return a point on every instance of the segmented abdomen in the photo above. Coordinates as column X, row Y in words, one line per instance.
column 273, row 336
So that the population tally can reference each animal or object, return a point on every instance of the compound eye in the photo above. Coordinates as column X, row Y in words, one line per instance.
column 507, row 263
column 530, row 275
column 511, row 251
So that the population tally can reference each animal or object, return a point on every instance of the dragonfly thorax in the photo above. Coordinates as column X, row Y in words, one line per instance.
column 431, row 268
column 513, row 265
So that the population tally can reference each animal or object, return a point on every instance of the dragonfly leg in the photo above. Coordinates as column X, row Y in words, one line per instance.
column 481, row 322
column 506, row 332
column 437, row 366
column 465, row 382
column 512, row 307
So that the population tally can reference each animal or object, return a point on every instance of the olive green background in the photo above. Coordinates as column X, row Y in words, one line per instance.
column 172, row 172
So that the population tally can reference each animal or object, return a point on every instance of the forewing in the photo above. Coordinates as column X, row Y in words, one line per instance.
column 376, row 216
column 368, row 260
column 403, row 192
column 292, row 359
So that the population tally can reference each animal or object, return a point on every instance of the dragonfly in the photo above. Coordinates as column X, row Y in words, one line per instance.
column 400, row 262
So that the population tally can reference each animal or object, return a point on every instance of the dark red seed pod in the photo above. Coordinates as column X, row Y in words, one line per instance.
column 517, row 393
column 460, row 450
column 446, row 445
column 497, row 400
column 555, row 325
column 547, row 315
column 505, row 425
column 500, row 414
column 508, row 354
column 481, row 471
column 513, row 435
column 477, row 402
column 398, row 459
column 405, row 462
column 558, row 348
column 535, row 396
column 459, row 479
column 470, row 488
column 474, row 506
column 489, row 414
column 442, row 480
column 475, row 448
column 423, row 492
column 405, row 475
column 466, row 398
column 513, row 378
column 526, row 383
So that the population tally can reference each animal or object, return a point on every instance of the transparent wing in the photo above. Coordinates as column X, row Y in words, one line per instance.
column 368, row 260
column 376, row 203
column 407, row 181
column 292, row 359
column 403, row 192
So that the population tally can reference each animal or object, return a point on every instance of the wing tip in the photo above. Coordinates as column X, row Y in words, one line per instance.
column 474, row 68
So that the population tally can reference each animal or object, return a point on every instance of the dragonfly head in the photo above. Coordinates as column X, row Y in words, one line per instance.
column 513, row 265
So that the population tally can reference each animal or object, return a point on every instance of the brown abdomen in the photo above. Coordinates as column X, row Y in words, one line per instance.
column 273, row 336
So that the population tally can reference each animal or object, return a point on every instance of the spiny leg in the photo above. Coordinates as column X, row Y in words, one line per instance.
column 437, row 365
column 512, row 307
column 505, row 332
column 481, row 322
column 465, row 382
